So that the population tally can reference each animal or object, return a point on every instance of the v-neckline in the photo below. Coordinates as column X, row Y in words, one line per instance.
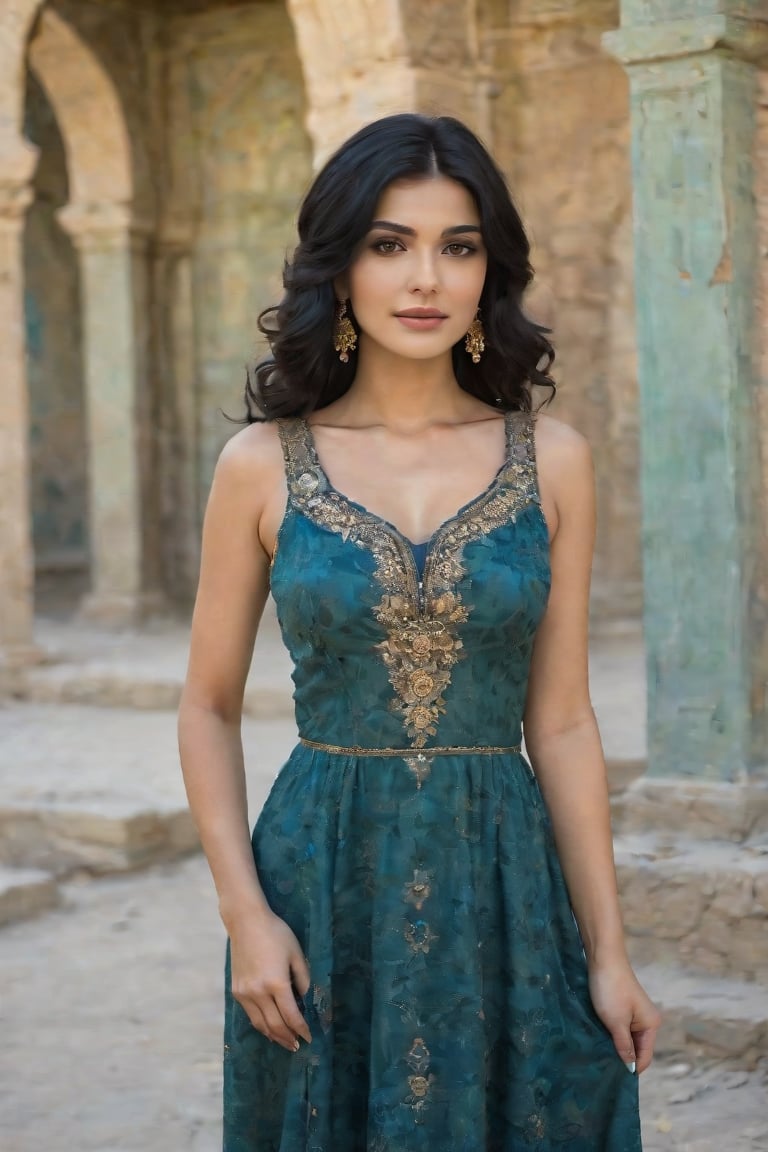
column 387, row 524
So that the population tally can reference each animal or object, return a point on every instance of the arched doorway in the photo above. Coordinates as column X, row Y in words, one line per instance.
column 55, row 372
column 113, row 267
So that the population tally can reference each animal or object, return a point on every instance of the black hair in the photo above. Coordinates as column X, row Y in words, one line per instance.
column 303, row 372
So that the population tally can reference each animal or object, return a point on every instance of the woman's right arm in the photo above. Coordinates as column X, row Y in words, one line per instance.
column 232, row 591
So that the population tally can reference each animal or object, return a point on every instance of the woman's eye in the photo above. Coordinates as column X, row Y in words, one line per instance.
column 459, row 249
column 386, row 246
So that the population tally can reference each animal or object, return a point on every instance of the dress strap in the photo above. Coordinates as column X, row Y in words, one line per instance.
column 303, row 473
column 521, row 452
column 306, row 478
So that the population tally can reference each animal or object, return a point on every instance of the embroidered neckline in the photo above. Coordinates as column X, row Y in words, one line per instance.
column 388, row 524
column 420, row 617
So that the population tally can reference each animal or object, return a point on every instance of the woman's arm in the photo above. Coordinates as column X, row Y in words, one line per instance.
column 232, row 592
column 563, row 741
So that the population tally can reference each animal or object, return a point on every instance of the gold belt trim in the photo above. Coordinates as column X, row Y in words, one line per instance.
column 420, row 753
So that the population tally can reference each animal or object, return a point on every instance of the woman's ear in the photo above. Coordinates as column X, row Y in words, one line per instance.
column 341, row 288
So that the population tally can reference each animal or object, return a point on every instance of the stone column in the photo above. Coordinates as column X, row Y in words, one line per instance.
column 693, row 72
column 113, row 268
column 16, row 554
column 180, row 500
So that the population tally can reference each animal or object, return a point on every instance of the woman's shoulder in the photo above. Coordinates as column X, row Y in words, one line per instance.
column 253, row 455
column 563, row 455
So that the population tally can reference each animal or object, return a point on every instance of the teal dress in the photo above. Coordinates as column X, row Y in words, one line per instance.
column 406, row 843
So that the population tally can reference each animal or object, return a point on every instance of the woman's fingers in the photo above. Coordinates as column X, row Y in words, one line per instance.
column 255, row 1015
column 278, row 1029
column 290, row 1014
column 625, row 1046
column 300, row 973
column 644, row 1039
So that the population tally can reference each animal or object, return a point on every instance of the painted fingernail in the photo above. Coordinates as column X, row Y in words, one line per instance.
column 295, row 1045
column 631, row 1065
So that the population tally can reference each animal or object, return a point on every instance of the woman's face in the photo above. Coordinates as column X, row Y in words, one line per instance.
column 416, row 279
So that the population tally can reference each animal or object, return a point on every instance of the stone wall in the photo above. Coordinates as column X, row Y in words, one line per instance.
column 560, row 128
column 240, row 160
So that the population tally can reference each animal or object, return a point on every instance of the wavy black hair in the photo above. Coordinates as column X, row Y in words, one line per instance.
column 303, row 372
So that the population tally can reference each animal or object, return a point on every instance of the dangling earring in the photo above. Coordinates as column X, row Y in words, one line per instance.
column 344, row 335
column 474, row 341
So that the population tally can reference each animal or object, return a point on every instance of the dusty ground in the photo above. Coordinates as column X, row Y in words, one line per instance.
column 110, row 1022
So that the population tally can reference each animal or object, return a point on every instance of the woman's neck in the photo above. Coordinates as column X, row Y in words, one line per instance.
column 404, row 393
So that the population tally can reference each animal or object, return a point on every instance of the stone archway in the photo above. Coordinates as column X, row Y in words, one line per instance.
column 89, row 113
column 361, row 61
column 112, row 245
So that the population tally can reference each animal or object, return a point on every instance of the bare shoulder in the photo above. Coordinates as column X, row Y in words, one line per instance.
column 565, row 473
column 563, row 455
column 253, row 456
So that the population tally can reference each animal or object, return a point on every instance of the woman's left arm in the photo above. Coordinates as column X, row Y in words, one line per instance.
column 563, row 742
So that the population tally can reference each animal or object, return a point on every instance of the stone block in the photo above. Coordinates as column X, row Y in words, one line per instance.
column 705, row 810
column 112, row 800
column 700, row 904
column 25, row 892
column 706, row 1017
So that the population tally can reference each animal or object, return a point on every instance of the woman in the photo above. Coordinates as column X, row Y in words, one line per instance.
column 425, row 947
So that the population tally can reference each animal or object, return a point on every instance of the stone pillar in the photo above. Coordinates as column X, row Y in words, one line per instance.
column 181, row 496
column 693, row 72
column 16, row 554
column 114, row 285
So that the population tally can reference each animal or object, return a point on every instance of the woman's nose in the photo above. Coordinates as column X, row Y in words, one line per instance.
column 424, row 275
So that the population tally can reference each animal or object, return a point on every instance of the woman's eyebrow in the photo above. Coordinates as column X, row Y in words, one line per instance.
column 404, row 230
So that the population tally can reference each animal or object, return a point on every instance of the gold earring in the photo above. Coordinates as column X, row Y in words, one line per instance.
column 474, row 341
column 344, row 335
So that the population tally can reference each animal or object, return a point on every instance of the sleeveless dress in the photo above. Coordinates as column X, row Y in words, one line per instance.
column 406, row 843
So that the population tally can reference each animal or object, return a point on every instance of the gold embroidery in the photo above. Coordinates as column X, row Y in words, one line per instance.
column 421, row 619
column 405, row 753
column 418, row 890
column 421, row 1080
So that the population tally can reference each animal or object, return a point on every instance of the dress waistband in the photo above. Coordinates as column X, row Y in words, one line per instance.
column 419, row 753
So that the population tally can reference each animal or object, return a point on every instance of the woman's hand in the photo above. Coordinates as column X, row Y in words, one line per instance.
column 627, row 1012
column 267, row 964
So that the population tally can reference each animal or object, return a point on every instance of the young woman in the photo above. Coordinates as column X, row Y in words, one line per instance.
column 425, row 948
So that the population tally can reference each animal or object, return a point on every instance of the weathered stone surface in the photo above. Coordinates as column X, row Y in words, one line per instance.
column 706, row 1018
column 58, row 451
column 698, row 904
column 25, row 892
column 102, row 790
column 694, row 135
column 560, row 121
column 701, row 810
column 234, row 82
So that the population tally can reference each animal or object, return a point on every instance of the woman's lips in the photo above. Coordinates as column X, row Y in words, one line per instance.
column 422, row 323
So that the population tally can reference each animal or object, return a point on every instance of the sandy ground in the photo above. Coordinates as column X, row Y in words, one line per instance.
column 110, row 1017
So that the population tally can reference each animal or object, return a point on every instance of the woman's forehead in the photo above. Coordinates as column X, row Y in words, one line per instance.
column 427, row 196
